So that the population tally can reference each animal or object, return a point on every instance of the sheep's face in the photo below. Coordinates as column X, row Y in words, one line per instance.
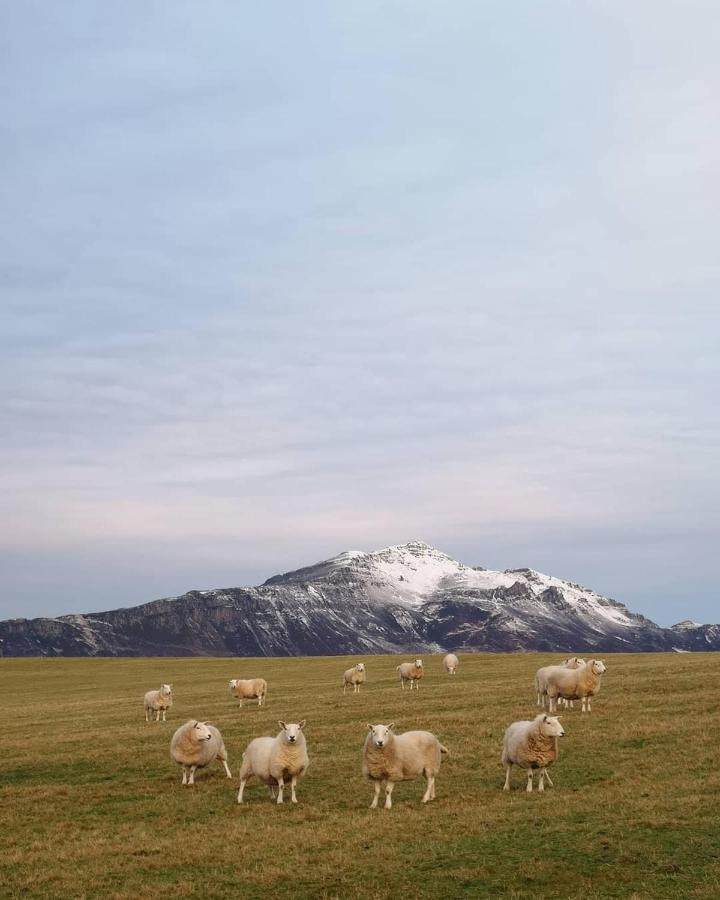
column 360, row 667
column 291, row 730
column 418, row 664
column 166, row 689
column 232, row 683
column 550, row 726
column 598, row 666
column 381, row 735
column 201, row 732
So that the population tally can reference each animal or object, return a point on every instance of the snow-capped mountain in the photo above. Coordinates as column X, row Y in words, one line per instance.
column 410, row 598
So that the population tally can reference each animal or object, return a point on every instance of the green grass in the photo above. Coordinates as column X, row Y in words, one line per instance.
column 92, row 806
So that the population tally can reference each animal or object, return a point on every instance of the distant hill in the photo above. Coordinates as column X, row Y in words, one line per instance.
column 411, row 598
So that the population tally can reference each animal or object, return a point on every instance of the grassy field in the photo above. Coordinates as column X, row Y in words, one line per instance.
column 92, row 806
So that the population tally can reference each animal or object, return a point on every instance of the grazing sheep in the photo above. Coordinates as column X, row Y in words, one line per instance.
column 411, row 672
column 575, row 684
column 451, row 662
column 388, row 758
column 532, row 745
column 275, row 760
column 354, row 677
column 158, row 702
column 194, row 746
column 248, row 689
column 572, row 662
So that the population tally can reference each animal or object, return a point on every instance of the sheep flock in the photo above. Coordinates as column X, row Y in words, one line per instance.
column 280, row 760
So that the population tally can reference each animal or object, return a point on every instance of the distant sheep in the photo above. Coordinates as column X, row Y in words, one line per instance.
column 276, row 760
column 532, row 745
column 541, row 676
column 158, row 702
column 576, row 684
column 194, row 746
column 451, row 662
column 389, row 758
column 248, row 689
column 354, row 677
column 411, row 672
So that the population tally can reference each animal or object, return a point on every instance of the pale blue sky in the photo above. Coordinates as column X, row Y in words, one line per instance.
column 282, row 279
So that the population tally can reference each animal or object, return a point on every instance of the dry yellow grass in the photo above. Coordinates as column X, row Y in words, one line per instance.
column 93, row 807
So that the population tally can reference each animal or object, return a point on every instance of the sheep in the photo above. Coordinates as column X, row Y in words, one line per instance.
column 354, row 677
column 195, row 745
column 389, row 758
column 575, row 684
column 248, row 689
column 158, row 702
column 275, row 760
column 532, row 745
column 411, row 672
column 572, row 662
column 451, row 662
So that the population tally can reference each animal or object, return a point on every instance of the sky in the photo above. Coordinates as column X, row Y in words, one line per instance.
column 279, row 280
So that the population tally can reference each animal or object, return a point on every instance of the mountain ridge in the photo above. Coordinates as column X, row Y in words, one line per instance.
column 407, row 598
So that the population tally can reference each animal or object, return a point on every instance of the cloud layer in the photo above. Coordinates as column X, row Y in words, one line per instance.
column 278, row 282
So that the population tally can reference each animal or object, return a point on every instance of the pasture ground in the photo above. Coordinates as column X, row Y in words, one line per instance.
column 91, row 805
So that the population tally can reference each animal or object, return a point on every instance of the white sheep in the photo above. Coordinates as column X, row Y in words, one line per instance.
column 451, row 662
column 276, row 760
column 576, row 684
column 532, row 745
column 195, row 745
column 248, row 689
column 389, row 758
column 354, row 677
column 411, row 672
column 158, row 702
column 572, row 662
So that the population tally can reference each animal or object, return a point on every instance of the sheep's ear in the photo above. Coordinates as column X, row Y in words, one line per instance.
column 544, row 718
column 391, row 726
column 281, row 724
column 301, row 725
column 369, row 727
column 195, row 723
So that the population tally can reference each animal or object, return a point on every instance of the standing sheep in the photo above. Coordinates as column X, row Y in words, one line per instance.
column 532, row 745
column 388, row 758
column 411, row 672
column 451, row 662
column 158, row 702
column 195, row 745
column 248, row 689
column 575, row 684
column 541, row 676
column 354, row 677
column 275, row 760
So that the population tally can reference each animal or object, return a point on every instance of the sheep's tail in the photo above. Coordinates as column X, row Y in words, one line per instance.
column 397, row 668
column 444, row 750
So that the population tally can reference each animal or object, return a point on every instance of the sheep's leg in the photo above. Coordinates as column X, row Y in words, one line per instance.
column 184, row 781
column 293, row 783
column 529, row 781
column 227, row 770
column 430, row 791
column 157, row 715
column 192, row 775
column 583, row 706
column 241, row 703
column 164, row 713
column 589, row 706
column 541, row 785
column 508, row 767
column 271, row 791
column 344, row 688
column 243, row 782
column 147, row 717
column 281, row 785
column 549, row 779
column 402, row 683
column 388, row 794
column 374, row 803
